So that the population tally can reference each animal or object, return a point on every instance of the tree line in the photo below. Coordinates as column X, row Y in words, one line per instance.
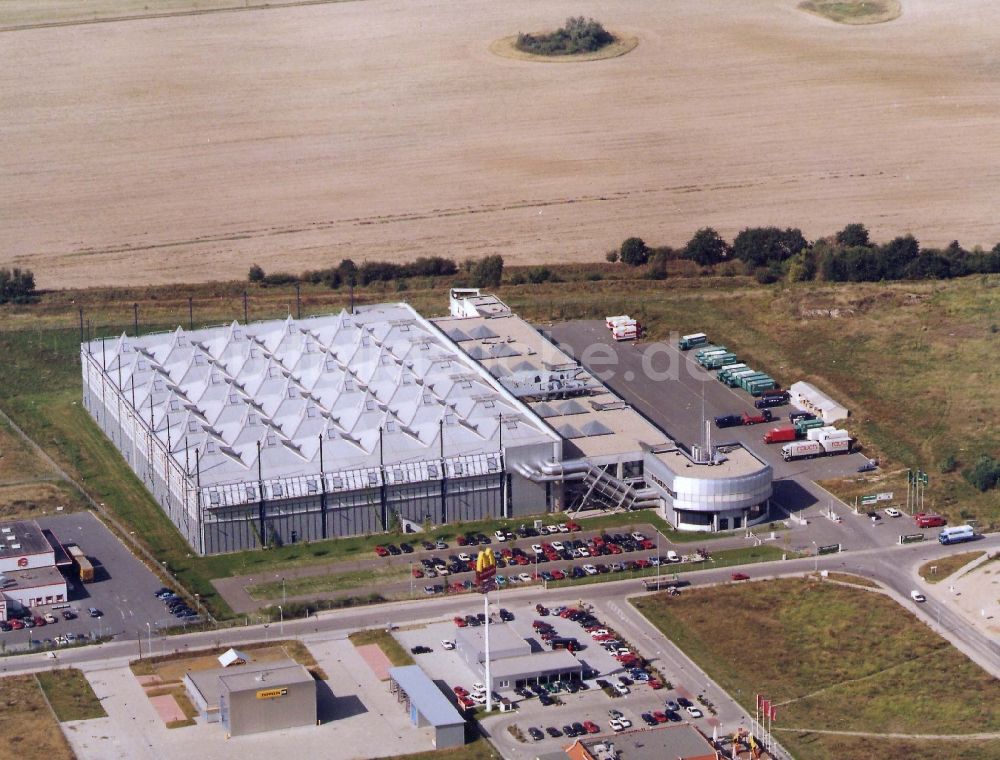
column 772, row 254
column 482, row 273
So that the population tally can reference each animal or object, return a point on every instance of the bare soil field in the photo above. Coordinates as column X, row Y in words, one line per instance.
column 185, row 148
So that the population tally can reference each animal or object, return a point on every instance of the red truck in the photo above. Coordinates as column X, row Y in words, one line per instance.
column 757, row 419
column 780, row 434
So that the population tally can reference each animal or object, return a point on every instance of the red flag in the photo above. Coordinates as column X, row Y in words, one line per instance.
column 765, row 706
column 774, row 712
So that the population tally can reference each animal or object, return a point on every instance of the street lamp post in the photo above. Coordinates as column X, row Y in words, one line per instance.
column 281, row 619
column 815, row 557
column 284, row 596
column 149, row 635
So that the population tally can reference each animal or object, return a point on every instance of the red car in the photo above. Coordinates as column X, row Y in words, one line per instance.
column 16, row 625
column 558, row 575
column 460, row 622
column 460, row 691
column 590, row 727
column 614, row 548
column 642, row 563
column 466, row 703
column 462, row 541
column 39, row 620
column 573, row 526
column 654, row 684
column 381, row 551
column 418, row 573
column 456, row 587
column 659, row 717
column 648, row 544
column 740, row 577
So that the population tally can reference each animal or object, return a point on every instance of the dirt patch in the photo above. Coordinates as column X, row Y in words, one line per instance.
column 623, row 44
column 168, row 149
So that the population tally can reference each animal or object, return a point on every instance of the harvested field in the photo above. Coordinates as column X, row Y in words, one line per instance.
column 187, row 147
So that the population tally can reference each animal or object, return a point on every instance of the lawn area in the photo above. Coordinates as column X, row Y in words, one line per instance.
column 70, row 694
column 854, row 580
column 318, row 584
column 30, row 728
column 389, row 646
column 937, row 570
column 924, row 329
column 724, row 558
column 824, row 650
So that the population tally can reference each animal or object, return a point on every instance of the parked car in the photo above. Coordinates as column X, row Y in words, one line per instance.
column 917, row 596
column 693, row 711
column 68, row 615
column 554, row 732
column 535, row 734
column 381, row 551
column 50, row 618
column 671, row 704
column 892, row 512
column 648, row 719
column 94, row 612
column 591, row 727
column 740, row 577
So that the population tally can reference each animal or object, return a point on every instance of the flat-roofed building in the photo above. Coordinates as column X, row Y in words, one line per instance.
column 254, row 697
column 513, row 663
column 427, row 706
column 678, row 741
column 612, row 454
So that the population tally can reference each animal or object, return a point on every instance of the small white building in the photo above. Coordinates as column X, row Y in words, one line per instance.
column 809, row 398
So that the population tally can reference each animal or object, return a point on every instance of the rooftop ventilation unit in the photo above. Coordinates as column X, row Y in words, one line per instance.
column 541, row 385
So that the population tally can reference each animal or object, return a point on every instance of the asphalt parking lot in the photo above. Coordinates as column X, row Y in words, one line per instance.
column 122, row 590
column 448, row 670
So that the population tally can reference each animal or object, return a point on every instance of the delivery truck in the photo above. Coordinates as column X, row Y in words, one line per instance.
column 780, row 434
column 82, row 565
column 687, row 342
column 820, row 448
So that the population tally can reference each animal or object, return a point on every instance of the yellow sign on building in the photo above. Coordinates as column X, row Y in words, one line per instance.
column 271, row 693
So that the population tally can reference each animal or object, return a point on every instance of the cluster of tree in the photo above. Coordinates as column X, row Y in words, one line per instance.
column 17, row 285
column 579, row 35
column 772, row 254
column 985, row 474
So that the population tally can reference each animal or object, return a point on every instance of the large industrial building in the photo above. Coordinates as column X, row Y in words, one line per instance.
column 343, row 424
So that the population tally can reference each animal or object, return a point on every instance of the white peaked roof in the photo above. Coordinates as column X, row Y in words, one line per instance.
column 255, row 401
column 233, row 657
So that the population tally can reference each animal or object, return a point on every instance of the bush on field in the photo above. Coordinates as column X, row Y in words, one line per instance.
column 17, row 285
column 985, row 474
column 579, row 35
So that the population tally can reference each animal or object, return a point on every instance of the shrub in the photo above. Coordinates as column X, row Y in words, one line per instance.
column 279, row 278
column 579, row 35
column 706, row 247
column 611, row 256
column 634, row 252
column 538, row 275
column 488, row 272
column 985, row 474
column 256, row 274
column 17, row 285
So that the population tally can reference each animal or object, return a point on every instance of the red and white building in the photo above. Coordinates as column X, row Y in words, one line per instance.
column 28, row 573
